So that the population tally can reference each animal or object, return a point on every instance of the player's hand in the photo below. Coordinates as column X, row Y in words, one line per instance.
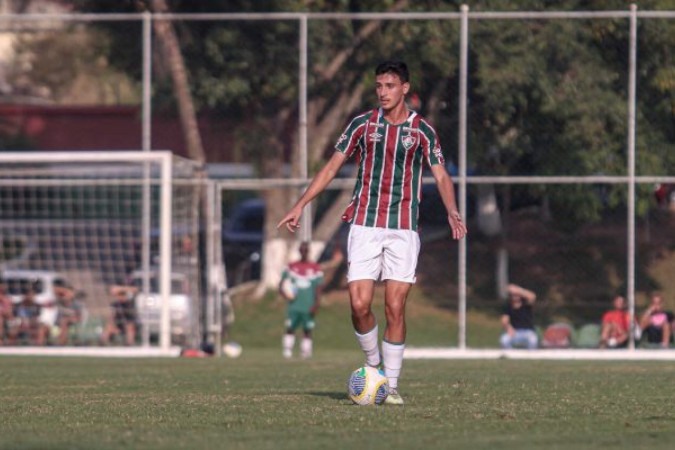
column 291, row 220
column 458, row 227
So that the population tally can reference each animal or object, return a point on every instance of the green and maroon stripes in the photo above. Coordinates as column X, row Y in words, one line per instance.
column 388, row 188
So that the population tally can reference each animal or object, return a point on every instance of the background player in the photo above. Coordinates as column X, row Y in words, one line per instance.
column 305, row 277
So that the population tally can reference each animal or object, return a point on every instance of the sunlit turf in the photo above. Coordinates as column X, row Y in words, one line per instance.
column 261, row 401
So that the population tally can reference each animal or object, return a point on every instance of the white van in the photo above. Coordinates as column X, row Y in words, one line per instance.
column 149, row 307
column 43, row 282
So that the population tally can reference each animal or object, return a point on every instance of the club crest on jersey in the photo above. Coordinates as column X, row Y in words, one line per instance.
column 375, row 137
column 408, row 141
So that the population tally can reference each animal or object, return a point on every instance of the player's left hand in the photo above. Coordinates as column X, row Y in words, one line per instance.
column 458, row 227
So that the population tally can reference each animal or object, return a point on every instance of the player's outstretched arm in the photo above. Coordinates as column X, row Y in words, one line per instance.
column 318, row 184
column 447, row 192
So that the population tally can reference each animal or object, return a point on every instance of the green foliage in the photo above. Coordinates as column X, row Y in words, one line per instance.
column 547, row 97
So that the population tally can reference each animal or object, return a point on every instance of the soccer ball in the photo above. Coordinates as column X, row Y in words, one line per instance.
column 232, row 349
column 367, row 386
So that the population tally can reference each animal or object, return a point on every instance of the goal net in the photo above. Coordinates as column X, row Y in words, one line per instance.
column 98, row 219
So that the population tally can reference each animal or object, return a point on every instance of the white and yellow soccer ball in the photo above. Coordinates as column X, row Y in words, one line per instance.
column 367, row 386
column 232, row 349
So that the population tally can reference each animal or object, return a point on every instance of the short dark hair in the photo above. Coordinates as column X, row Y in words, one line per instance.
column 398, row 68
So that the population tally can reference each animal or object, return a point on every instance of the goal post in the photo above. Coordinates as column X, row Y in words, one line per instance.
column 105, row 218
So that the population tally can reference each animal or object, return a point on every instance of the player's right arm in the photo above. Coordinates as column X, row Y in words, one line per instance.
column 318, row 184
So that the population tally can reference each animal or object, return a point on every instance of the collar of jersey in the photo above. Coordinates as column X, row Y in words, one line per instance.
column 408, row 121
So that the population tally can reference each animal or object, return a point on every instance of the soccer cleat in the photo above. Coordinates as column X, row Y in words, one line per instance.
column 288, row 353
column 393, row 398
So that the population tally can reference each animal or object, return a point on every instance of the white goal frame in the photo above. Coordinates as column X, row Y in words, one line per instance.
column 161, row 159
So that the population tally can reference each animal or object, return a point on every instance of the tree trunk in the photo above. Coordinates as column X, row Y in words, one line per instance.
column 166, row 34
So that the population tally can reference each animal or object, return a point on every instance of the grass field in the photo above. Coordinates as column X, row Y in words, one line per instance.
column 261, row 401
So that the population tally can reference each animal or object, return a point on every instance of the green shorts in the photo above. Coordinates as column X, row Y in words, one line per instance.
column 296, row 319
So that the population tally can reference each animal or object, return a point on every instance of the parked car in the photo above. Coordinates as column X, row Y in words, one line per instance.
column 149, row 307
column 43, row 282
column 242, row 236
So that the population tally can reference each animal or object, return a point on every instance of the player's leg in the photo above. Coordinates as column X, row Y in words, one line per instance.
column 364, row 249
column 363, row 319
column 306, row 346
column 288, row 340
column 393, row 344
column 401, row 250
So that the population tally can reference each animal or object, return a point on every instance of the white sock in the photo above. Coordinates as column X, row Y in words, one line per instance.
column 368, row 343
column 287, row 344
column 306, row 347
column 392, row 354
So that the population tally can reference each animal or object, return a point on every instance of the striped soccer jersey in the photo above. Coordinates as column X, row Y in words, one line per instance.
column 389, row 183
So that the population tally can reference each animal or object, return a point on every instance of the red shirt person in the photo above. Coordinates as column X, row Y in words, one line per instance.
column 616, row 325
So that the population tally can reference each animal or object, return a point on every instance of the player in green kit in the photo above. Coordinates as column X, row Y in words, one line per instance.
column 391, row 145
column 304, row 278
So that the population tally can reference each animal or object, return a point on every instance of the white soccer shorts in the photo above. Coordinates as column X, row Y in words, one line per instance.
column 382, row 253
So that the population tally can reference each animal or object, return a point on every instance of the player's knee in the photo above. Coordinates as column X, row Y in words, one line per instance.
column 360, row 307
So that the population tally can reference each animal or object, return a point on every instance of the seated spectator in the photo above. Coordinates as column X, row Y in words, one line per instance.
column 26, row 323
column 69, row 310
column 123, row 319
column 616, row 325
column 6, row 312
column 656, row 323
column 518, row 319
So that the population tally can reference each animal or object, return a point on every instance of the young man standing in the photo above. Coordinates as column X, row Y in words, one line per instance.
column 391, row 144
column 305, row 277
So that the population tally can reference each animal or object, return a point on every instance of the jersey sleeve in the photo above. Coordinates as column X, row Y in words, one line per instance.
column 431, row 146
column 350, row 140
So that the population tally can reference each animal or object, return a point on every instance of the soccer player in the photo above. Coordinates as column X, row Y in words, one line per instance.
column 391, row 144
column 306, row 277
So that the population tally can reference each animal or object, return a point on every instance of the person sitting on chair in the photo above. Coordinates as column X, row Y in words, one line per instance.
column 123, row 320
column 615, row 325
column 518, row 319
column 656, row 323
column 69, row 310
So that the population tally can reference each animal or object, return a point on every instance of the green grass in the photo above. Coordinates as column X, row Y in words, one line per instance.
column 260, row 323
column 261, row 401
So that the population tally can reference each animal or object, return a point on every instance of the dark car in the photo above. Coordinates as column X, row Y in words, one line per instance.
column 243, row 236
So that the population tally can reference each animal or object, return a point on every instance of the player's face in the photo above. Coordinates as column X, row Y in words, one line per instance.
column 390, row 90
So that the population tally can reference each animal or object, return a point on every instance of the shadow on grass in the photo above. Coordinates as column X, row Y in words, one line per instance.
column 331, row 395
